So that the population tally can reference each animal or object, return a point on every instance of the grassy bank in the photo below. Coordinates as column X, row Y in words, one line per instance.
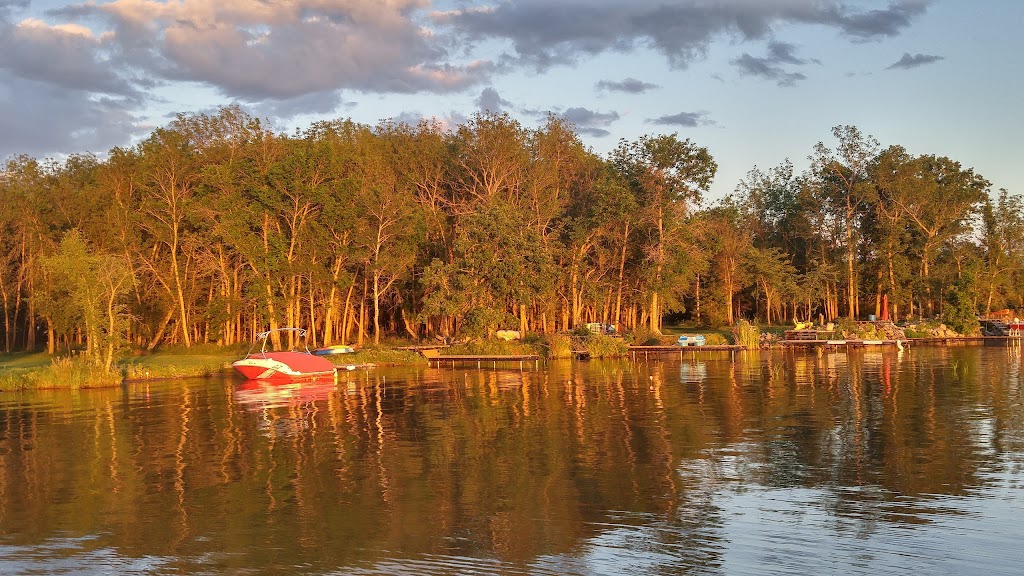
column 197, row 361
column 41, row 371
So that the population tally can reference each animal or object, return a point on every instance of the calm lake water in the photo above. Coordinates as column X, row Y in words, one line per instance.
column 867, row 462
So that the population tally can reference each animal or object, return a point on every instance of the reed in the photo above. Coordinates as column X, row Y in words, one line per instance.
column 747, row 335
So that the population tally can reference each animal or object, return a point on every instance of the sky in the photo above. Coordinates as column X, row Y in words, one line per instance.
column 755, row 81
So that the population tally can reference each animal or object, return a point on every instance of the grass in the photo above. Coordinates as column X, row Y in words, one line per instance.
column 602, row 346
column 379, row 356
column 66, row 373
column 491, row 348
column 747, row 335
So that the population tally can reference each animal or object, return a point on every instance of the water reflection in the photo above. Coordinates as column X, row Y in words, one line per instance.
column 852, row 461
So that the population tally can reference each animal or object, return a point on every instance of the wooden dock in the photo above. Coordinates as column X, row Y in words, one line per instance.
column 834, row 343
column 944, row 341
column 647, row 351
column 483, row 359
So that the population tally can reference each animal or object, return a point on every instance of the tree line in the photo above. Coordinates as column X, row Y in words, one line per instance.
column 215, row 228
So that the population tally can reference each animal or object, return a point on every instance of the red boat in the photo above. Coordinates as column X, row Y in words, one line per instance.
column 288, row 366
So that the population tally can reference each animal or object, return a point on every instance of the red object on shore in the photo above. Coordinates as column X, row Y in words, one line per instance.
column 885, row 308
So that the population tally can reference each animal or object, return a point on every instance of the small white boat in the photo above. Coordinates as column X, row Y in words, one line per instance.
column 287, row 366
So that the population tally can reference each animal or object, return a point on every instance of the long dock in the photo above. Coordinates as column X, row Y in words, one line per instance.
column 647, row 351
column 482, row 359
column 945, row 341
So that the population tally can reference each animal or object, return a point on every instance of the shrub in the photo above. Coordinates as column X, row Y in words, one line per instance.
column 959, row 312
column 603, row 346
column 715, row 339
column 555, row 346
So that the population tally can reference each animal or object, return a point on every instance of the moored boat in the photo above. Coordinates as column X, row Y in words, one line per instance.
column 332, row 350
column 289, row 366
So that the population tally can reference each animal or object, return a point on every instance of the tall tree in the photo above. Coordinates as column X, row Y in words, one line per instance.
column 669, row 176
column 941, row 201
column 842, row 177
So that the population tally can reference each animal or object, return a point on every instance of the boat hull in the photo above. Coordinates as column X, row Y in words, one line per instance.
column 284, row 367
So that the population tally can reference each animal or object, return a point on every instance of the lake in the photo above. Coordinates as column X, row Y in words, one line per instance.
column 862, row 462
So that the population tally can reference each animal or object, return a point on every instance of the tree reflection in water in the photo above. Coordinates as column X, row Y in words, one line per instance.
column 789, row 460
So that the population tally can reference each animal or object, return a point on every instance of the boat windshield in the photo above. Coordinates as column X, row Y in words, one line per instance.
column 280, row 340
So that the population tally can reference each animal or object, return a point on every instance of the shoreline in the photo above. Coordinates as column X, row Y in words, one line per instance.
column 39, row 371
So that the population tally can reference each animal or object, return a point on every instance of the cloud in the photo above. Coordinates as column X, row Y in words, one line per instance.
column 320, row 103
column 769, row 67
column 882, row 23
column 448, row 122
column 590, row 122
column 907, row 61
column 253, row 49
column 542, row 34
column 490, row 101
column 685, row 119
column 629, row 85
column 66, row 55
column 42, row 119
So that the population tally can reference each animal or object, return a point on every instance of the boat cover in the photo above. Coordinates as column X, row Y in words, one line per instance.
column 299, row 361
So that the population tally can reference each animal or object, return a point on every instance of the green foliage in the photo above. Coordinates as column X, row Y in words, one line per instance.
column 604, row 346
column 86, row 293
column 219, row 226
column 959, row 312
column 380, row 356
column 853, row 330
column 491, row 347
column 715, row 339
column 555, row 346
column 926, row 329
column 642, row 336
column 480, row 323
column 746, row 334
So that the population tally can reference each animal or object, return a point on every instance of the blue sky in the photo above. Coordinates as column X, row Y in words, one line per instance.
column 755, row 81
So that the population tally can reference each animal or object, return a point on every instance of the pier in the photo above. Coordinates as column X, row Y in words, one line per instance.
column 647, row 351
column 481, row 359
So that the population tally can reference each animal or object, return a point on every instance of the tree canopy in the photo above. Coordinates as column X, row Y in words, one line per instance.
column 214, row 228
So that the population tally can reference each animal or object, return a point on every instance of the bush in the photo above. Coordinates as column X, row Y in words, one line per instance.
column 715, row 339
column 482, row 322
column 959, row 312
column 555, row 346
column 603, row 346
